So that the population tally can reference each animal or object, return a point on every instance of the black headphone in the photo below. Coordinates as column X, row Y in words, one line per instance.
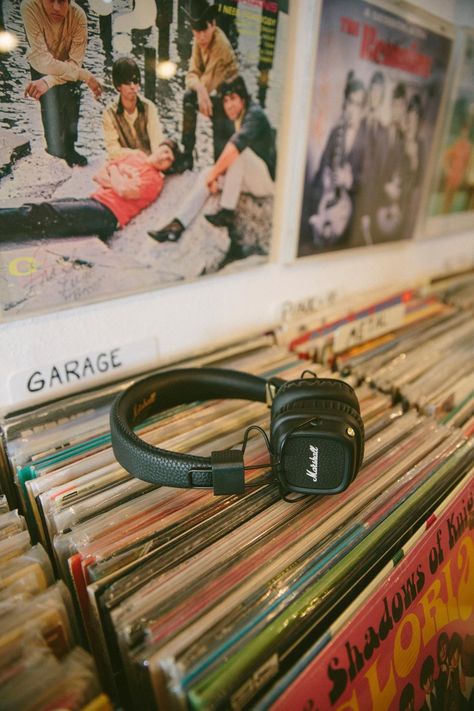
column 316, row 433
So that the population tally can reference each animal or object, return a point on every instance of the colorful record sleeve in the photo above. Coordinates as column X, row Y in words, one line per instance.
column 450, row 203
column 409, row 642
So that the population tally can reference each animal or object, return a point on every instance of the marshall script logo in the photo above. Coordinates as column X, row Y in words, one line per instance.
column 313, row 462
column 146, row 402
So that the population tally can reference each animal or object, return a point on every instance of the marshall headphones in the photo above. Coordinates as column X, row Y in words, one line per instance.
column 316, row 432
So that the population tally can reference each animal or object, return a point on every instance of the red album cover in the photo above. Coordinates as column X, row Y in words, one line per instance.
column 409, row 645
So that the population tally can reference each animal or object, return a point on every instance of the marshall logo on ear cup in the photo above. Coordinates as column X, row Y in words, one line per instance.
column 313, row 462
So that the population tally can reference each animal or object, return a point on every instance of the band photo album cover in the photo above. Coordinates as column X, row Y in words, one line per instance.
column 377, row 94
column 138, row 144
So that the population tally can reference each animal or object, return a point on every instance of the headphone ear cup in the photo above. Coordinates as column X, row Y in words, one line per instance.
column 330, row 419
column 324, row 408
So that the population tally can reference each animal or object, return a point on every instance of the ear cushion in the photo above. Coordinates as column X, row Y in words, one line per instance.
column 338, row 390
column 324, row 389
column 341, row 408
column 323, row 407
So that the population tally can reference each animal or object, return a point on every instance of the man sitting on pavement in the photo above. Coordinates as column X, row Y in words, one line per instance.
column 126, row 186
column 247, row 164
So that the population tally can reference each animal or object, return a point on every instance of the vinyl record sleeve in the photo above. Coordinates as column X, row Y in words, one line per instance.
column 380, row 366
column 343, row 529
column 113, row 584
column 231, row 679
column 11, row 522
column 189, row 537
column 141, row 520
column 368, row 357
column 59, row 262
column 46, row 682
column 53, row 478
column 184, row 638
column 414, row 377
column 379, row 77
column 462, row 413
column 468, row 428
column 424, row 565
column 14, row 545
column 255, row 452
column 415, row 324
column 245, row 616
column 149, row 520
column 327, row 339
column 449, row 202
column 47, row 612
column 92, row 562
column 68, row 460
column 201, row 508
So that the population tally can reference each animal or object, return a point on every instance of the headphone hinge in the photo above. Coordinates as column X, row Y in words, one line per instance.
column 270, row 392
column 227, row 467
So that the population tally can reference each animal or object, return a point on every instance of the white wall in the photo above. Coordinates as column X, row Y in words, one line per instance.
column 175, row 321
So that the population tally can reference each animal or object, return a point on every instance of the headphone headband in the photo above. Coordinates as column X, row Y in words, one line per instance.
column 161, row 392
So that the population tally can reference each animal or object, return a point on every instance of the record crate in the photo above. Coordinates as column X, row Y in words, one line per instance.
column 184, row 599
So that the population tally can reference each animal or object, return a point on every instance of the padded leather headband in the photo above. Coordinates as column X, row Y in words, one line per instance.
column 161, row 392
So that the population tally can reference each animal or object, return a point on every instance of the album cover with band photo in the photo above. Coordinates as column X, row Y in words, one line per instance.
column 138, row 144
column 380, row 74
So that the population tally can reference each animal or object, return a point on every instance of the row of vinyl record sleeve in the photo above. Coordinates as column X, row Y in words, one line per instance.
column 426, row 362
column 187, row 600
column 41, row 664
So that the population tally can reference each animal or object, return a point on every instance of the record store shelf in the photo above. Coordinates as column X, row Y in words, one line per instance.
column 186, row 600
